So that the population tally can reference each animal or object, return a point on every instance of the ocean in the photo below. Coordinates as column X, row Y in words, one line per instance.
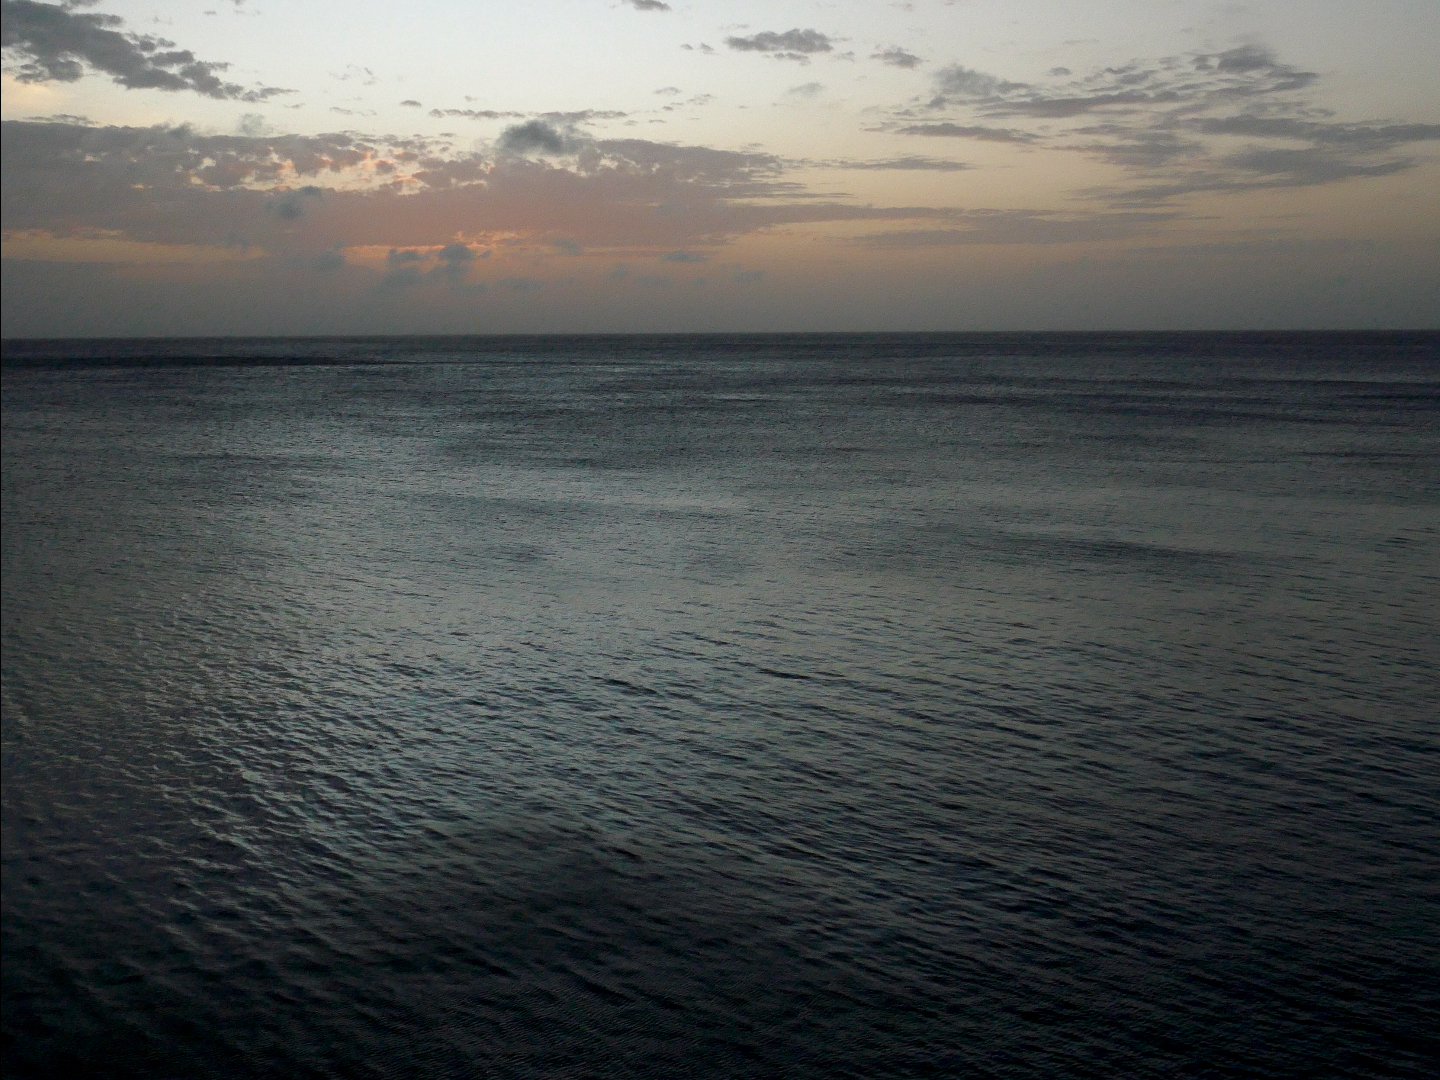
column 987, row 705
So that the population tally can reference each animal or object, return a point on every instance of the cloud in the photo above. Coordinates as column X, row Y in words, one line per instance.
column 1024, row 227
column 1140, row 150
column 476, row 114
column 805, row 90
column 412, row 103
column 536, row 137
column 897, row 57
column 328, row 262
column 958, row 81
column 648, row 5
column 967, row 131
column 684, row 257
column 1172, row 122
column 299, row 196
column 55, row 43
column 692, row 102
column 1245, row 72
column 910, row 163
column 791, row 45
column 290, row 205
column 1358, row 136
column 409, row 267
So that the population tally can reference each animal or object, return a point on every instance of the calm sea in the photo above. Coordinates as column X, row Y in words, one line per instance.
column 789, row 706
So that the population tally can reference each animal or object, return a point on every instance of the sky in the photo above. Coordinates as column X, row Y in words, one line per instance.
column 254, row 167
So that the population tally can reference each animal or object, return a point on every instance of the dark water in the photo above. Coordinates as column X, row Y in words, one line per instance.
column 1006, row 706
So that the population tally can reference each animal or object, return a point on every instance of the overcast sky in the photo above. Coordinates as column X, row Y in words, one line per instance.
column 255, row 167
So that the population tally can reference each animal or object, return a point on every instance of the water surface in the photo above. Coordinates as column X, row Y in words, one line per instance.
column 814, row 706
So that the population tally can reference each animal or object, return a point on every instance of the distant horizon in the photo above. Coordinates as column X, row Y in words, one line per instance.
column 500, row 335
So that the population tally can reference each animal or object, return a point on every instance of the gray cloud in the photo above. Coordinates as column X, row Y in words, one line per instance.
column 684, row 257
column 328, row 262
column 790, row 45
column 957, row 81
column 476, row 114
column 290, row 205
column 805, row 90
column 967, row 131
column 1357, row 136
column 648, row 5
column 1244, row 72
column 177, row 186
column 1167, row 119
column 1024, row 227
column 897, row 57
column 910, row 163
column 54, row 43
column 406, row 268
column 535, row 137
column 1140, row 149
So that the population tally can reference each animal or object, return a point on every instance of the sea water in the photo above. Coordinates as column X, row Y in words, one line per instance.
column 787, row 706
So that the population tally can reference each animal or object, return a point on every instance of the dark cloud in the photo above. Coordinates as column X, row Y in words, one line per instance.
column 791, row 45
column 648, row 5
column 449, row 265
column 537, row 137
column 290, row 205
column 684, row 257
column 897, row 57
column 52, row 42
column 402, row 277
column 456, row 254
column 328, row 262
column 412, row 103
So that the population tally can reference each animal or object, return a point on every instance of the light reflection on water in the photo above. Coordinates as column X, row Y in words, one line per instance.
column 880, row 707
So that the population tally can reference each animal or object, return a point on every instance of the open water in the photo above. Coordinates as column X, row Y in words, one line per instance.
column 870, row 706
